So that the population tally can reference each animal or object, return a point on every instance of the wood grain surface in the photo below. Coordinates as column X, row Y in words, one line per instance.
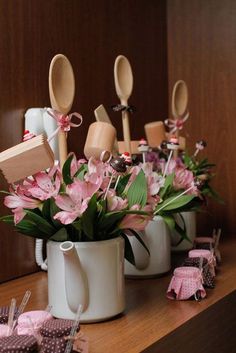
column 202, row 52
column 149, row 316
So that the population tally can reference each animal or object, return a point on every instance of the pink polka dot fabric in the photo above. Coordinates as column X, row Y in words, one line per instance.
column 4, row 311
column 56, row 328
column 199, row 240
column 207, row 243
column 18, row 344
column 53, row 345
column 207, row 254
column 185, row 283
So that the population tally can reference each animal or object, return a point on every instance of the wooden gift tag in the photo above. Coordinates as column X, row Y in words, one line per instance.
column 26, row 158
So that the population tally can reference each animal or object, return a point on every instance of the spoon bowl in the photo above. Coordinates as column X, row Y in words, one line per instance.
column 61, row 92
column 123, row 78
column 179, row 98
column 61, row 84
column 124, row 85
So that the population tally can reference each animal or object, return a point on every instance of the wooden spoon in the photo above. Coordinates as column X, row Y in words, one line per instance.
column 61, row 91
column 179, row 98
column 179, row 102
column 124, row 86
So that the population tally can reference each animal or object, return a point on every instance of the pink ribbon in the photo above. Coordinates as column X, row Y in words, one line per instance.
column 64, row 122
column 176, row 124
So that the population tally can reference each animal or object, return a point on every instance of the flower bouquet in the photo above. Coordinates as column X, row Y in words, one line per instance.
column 186, row 170
column 77, row 204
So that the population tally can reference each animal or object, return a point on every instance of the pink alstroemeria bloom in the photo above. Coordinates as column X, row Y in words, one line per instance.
column 17, row 202
column 136, row 221
column 183, row 179
column 90, row 185
column 72, row 204
column 173, row 166
column 44, row 187
column 97, row 167
column 114, row 202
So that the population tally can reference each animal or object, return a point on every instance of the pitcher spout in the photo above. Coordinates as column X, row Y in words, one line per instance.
column 76, row 283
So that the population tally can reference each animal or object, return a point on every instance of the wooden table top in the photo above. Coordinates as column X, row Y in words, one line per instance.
column 148, row 317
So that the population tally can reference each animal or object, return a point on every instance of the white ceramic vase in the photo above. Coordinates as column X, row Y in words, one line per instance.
column 157, row 238
column 38, row 121
column 190, row 223
column 87, row 273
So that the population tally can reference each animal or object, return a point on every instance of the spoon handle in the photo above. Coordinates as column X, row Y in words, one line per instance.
column 62, row 144
column 126, row 131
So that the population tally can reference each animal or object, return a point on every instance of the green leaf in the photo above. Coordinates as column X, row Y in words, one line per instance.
column 82, row 170
column 139, row 238
column 31, row 229
column 41, row 223
column 169, row 220
column 182, row 233
column 53, row 210
column 110, row 220
column 66, row 170
column 46, row 210
column 122, row 184
column 168, row 184
column 129, row 255
column 172, row 203
column 137, row 192
column 26, row 227
column 60, row 235
column 88, row 218
column 8, row 219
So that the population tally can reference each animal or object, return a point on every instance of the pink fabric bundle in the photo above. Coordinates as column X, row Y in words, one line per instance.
column 3, row 330
column 185, row 283
column 204, row 240
column 208, row 243
column 207, row 254
column 32, row 320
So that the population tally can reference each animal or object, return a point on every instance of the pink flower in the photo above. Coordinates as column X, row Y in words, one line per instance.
column 173, row 165
column 183, row 178
column 44, row 187
column 17, row 201
column 115, row 203
column 72, row 204
column 75, row 201
column 90, row 185
column 136, row 221
column 98, row 167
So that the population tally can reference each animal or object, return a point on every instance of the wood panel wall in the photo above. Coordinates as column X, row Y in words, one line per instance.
column 202, row 51
column 91, row 34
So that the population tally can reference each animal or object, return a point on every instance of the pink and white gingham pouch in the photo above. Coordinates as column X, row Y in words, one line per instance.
column 185, row 283
column 207, row 254
column 204, row 240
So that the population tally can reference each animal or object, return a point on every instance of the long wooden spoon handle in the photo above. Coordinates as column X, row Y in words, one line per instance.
column 62, row 143
column 126, row 131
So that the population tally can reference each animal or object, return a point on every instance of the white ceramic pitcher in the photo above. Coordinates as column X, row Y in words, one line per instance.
column 157, row 238
column 190, row 223
column 87, row 273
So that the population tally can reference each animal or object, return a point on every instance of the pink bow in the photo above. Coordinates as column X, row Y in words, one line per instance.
column 176, row 124
column 64, row 122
